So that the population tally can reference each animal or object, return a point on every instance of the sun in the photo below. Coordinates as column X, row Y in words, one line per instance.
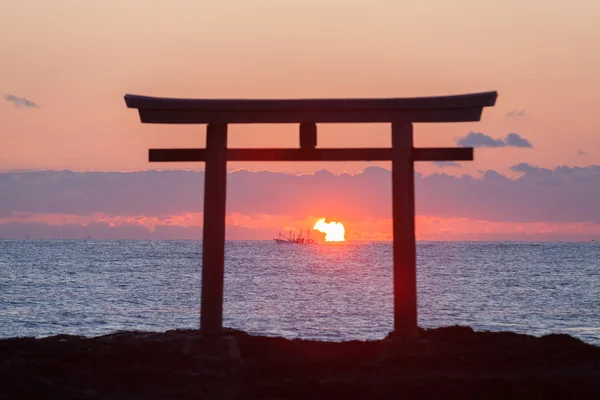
column 334, row 231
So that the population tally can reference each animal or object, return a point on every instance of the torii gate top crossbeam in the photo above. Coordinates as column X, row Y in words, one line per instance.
column 458, row 108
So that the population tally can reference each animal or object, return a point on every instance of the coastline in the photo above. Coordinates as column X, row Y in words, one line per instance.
column 454, row 362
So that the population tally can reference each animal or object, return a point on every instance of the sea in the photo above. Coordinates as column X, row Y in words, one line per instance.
column 331, row 292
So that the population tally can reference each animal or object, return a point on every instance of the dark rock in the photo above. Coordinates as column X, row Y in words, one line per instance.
column 447, row 363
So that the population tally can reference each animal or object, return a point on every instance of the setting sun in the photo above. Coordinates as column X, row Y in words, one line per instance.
column 334, row 231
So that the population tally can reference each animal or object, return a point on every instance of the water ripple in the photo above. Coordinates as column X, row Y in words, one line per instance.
column 337, row 292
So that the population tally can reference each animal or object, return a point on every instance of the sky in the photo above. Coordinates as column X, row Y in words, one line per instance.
column 65, row 66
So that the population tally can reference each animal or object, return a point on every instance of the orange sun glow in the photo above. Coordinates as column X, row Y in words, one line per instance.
column 334, row 231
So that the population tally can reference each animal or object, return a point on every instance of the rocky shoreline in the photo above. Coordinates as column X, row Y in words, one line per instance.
column 449, row 363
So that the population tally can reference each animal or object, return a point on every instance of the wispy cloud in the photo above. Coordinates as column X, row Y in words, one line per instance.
column 478, row 139
column 446, row 164
column 20, row 101
column 581, row 153
column 516, row 113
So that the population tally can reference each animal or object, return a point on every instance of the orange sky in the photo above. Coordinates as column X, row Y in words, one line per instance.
column 265, row 227
column 76, row 59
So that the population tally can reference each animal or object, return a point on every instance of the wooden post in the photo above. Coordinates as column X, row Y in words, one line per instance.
column 308, row 136
column 403, row 211
column 213, row 236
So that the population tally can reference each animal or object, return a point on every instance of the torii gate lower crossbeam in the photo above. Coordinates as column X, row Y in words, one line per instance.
column 399, row 112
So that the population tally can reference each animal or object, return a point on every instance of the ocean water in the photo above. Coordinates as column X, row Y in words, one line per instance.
column 325, row 292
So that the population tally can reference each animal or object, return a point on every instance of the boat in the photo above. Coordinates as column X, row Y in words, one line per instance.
column 295, row 239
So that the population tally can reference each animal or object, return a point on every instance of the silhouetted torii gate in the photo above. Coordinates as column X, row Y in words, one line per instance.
column 400, row 112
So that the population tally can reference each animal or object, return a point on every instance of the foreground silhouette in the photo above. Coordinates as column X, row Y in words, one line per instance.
column 400, row 113
column 458, row 363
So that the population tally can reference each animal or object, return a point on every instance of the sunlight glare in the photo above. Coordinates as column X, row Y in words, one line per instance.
column 334, row 231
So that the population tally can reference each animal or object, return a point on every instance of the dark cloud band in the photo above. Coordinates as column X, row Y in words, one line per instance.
column 563, row 194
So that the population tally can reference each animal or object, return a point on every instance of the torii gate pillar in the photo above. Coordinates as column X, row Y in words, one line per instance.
column 405, row 244
column 213, row 238
column 400, row 112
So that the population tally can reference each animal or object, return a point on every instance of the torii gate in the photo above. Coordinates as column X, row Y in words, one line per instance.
column 400, row 112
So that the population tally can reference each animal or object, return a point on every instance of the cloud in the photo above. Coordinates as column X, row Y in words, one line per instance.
column 516, row 113
column 524, row 167
column 446, row 164
column 478, row 139
column 20, row 101
column 83, row 193
column 581, row 153
column 560, row 195
column 514, row 140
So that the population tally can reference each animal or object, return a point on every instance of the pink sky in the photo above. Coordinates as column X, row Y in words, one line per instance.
column 77, row 59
